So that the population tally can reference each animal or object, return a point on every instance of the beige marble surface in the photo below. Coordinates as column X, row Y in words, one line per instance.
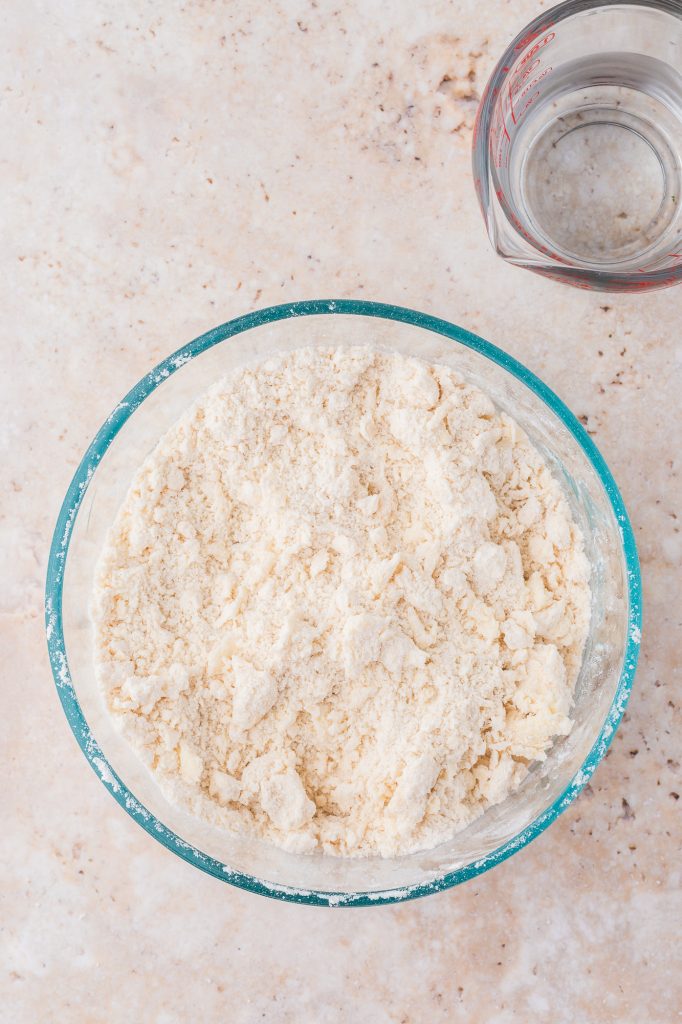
column 164, row 167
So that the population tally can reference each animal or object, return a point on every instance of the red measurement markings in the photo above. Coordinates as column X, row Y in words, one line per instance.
column 529, row 102
column 521, row 110
column 522, row 43
column 519, row 85
column 500, row 145
column 504, row 109
column 587, row 283
column 523, row 71
column 537, row 47
column 499, row 136
column 640, row 286
column 528, row 71
column 511, row 103
column 647, row 267
column 534, row 82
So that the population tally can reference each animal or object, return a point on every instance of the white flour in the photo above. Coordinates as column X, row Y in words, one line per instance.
column 343, row 605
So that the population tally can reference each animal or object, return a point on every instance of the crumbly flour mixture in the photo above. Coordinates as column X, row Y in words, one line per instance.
column 343, row 605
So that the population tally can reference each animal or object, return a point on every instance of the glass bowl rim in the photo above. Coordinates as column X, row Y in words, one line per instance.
column 60, row 545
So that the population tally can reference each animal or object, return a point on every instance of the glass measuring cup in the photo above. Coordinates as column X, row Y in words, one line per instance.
column 577, row 152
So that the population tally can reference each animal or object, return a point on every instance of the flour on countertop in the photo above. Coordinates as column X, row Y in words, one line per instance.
column 343, row 605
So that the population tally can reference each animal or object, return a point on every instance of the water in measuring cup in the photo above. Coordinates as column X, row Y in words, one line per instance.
column 595, row 164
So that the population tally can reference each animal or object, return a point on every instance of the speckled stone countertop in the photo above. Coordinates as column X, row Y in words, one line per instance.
column 165, row 167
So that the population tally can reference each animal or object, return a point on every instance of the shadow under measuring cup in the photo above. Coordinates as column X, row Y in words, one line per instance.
column 577, row 151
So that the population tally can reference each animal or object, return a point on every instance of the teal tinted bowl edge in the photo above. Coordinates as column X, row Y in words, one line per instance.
column 60, row 546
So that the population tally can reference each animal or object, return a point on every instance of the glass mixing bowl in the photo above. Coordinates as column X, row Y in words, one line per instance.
column 608, row 667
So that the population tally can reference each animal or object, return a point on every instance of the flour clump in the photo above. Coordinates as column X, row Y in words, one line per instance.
column 343, row 604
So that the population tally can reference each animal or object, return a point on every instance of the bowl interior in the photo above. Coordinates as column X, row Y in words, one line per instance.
column 132, row 432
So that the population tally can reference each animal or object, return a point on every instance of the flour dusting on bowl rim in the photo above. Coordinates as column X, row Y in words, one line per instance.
column 60, row 545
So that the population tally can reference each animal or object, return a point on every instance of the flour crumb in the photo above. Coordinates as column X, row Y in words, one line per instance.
column 343, row 605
